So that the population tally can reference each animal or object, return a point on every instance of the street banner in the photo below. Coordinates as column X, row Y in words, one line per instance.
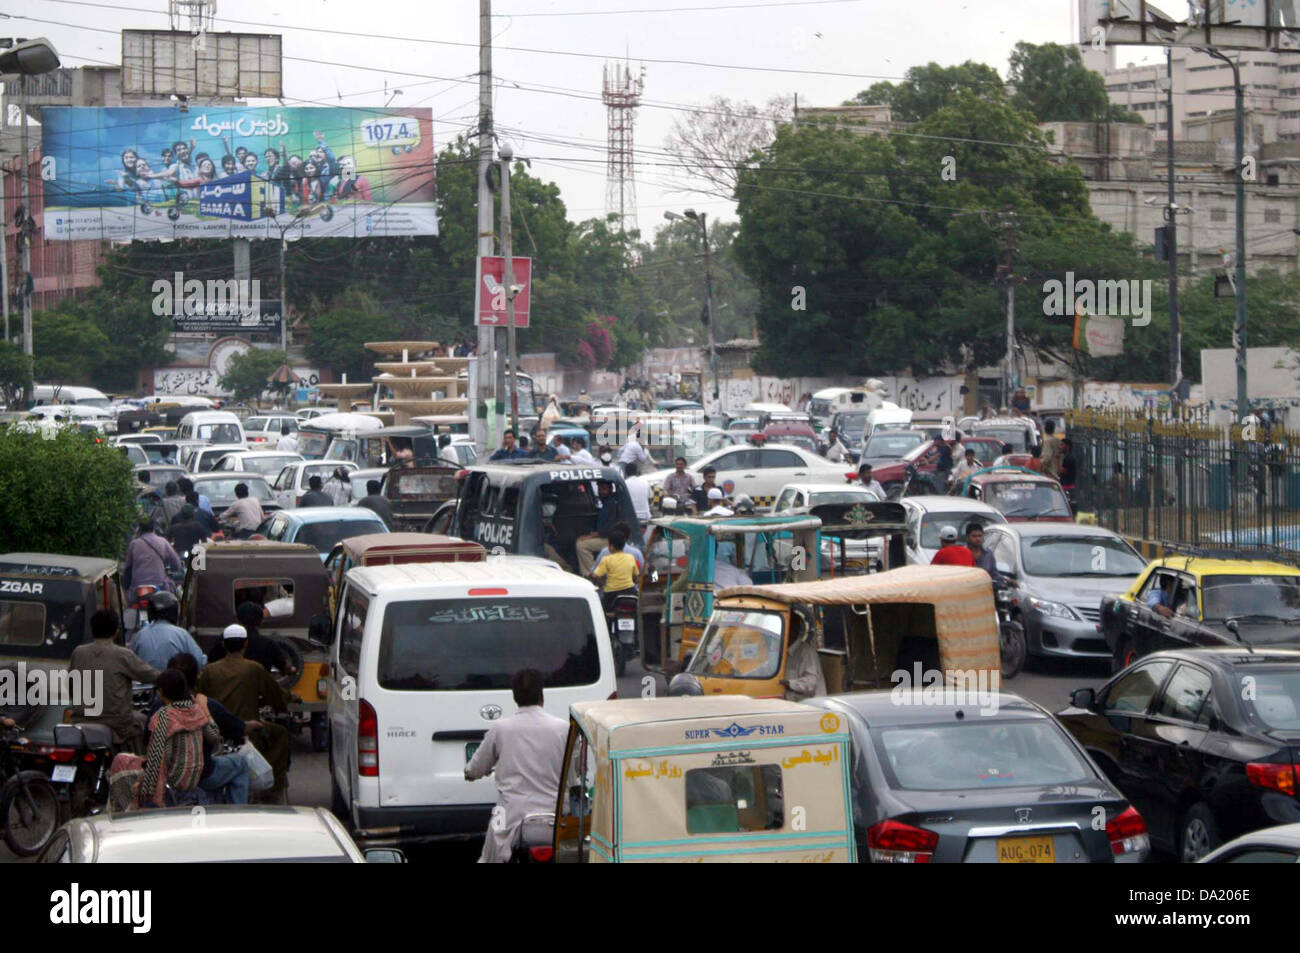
column 1099, row 336
column 492, row 290
column 124, row 174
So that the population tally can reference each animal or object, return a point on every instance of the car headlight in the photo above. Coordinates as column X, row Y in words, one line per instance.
column 1057, row 609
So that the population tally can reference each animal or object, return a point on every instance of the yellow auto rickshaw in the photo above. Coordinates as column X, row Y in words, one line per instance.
column 705, row 780
column 865, row 628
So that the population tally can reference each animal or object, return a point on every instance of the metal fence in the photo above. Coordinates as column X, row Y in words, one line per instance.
column 1173, row 483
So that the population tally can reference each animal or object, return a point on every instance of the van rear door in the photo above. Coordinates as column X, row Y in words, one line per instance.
column 441, row 678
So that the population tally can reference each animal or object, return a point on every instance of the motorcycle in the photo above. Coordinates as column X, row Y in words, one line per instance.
column 534, row 840
column 623, row 618
column 1011, row 634
column 29, row 805
column 80, row 772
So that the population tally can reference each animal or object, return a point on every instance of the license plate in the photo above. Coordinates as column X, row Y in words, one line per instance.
column 627, row 625
column 64, row 773
column 1026, row 850
column 470, row 748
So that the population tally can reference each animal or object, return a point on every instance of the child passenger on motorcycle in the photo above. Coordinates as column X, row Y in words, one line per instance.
column 618, row 569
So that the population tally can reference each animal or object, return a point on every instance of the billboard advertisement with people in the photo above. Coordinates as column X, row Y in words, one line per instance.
column 153, row 173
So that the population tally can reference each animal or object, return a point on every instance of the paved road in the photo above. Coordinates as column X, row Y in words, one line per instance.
column 1047, row 682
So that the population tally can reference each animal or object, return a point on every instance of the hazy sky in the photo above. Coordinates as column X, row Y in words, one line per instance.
column 429, row 50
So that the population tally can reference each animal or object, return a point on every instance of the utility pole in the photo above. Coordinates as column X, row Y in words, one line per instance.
column 4, row 245
column 284, row 299
column 1171, row 238
column 27, row 237
column 484, row 395
column 708, row 302
column 1006, row 279
column 507, row 250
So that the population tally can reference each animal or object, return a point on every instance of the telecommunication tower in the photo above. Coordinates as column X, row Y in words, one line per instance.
column 621, row 94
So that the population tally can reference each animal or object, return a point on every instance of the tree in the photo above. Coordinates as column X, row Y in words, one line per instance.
column 67, row 344
column 925, row 90
column 246, row 375
column 1054, row 85
column 340, row 330
column 713, row 142
column 60, row 492
column 673, row 269
column 15, row 373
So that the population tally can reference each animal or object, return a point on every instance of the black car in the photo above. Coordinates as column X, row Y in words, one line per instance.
column 995, row 781
column 1202, row 741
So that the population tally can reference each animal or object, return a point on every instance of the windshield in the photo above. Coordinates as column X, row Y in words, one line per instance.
column 224, row 489
column 1079, row 556
column 979, row 755
column 1235, row 597
column 1275, row 700
column 102, row 402
column 1026, row 499
column 220, row 433
column 819, row 408
column 1012, row 435
column 933, row 523
column 851, row 427
column 324, row 534
column 312, row 443
column 268, row 466
column 740, row 644
column 843, row 496
column 159, row 453
column 459, row 646
column 343, row 448
column 892, row 445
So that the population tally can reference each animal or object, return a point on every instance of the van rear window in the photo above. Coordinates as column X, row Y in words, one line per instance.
column 472, row 645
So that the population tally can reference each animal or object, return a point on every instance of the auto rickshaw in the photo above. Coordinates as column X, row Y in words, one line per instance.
column 683, row 568
column 704, row 780
column 414, row 494
column 46, row 601
column 292, row 585
column 865, row 629
column 389, row 549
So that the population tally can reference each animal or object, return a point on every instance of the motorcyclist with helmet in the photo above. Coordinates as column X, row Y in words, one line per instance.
column 162, row 639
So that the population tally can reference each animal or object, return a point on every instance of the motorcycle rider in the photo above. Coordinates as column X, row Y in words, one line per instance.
column 149, row 560
column 526, row 753
column 162, row 638
column 112, row 669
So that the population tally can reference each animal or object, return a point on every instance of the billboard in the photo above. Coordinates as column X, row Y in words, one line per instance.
column 492, row 291
column 206, row 66
column 1226, row 24
column 126, row 174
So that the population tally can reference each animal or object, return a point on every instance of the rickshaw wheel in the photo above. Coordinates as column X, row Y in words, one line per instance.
column 326, row 214
column 173, row 213
column 144, row 208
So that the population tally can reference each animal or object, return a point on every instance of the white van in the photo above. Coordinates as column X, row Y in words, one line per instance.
column 421, row 658
column 829, row 401
column 214, row 426
column 67, row 394
column 888, row 416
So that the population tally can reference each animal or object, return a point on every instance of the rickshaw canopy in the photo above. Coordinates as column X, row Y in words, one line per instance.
column 211, row 591
column 376, row 548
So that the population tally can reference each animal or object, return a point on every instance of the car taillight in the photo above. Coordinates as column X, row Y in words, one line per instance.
column 1127, row 833
column 892, row 842
column 542, row 855
column 1279, row 777
column 367, row 740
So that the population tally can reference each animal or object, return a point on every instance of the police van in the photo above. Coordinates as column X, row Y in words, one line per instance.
column 421, row 657
column 524, row 506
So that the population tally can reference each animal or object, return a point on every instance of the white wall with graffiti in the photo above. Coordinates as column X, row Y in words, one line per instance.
column 205, row 380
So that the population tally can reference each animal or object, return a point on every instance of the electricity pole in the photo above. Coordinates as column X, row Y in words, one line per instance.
column 483, row 394
column 1009, row 224
column 507, row 250
column 1171, row 238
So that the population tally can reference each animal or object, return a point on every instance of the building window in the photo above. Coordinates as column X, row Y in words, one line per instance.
column 1218, row 215
column 1272, row 215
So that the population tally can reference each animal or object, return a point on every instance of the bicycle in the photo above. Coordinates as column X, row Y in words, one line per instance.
column 29, row 805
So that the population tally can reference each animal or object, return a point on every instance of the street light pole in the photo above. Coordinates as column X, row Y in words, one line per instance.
column 1239, row 279
column 701, row 219
column 1171, row 237
column 26, row 239
column 507, row 250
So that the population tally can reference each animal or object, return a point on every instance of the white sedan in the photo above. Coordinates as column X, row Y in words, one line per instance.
column 268, row 463
column 759, row 472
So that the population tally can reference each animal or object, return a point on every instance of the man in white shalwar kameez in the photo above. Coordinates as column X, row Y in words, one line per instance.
column 527, row 751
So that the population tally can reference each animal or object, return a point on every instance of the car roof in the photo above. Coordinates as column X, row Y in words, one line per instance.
column 326, row 514
column 827, row 488
column 228, row 833
column 1227, row 656
column 949, row 504
column 250, row 454
column 891, row 707
column 1007, row 476
column 1059, row 529
column 1214, row 566
column 500, row 570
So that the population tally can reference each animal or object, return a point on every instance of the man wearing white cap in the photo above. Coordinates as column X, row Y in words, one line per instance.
column 243, row 686
column 717, row 505
column 951, row 552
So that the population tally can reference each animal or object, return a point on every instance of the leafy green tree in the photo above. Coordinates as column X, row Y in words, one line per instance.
column 340, row 330
column 68, row 345
column 1054, row 85
column 926, row 89
column 15, row 373
column 673, row 269
column 247, row 373
column 60, row 492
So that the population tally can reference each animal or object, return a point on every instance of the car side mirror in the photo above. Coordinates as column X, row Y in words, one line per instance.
column 320, row 631
column 1085, row 698
column 384, row 855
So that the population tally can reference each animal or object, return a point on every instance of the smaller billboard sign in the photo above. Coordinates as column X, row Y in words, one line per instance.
column 492, row 290
column 215, row 319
